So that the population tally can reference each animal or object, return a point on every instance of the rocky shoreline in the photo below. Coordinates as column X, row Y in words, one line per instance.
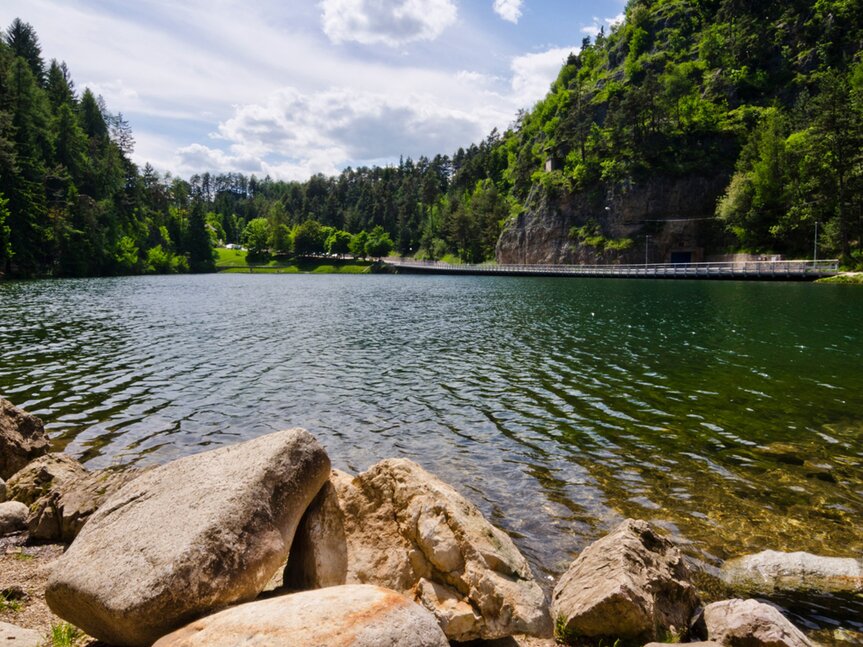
column 264, row 541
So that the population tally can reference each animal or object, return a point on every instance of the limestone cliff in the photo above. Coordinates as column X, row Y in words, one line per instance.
column 665, row 216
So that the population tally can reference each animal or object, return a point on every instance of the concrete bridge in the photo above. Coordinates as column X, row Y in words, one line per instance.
column 749, row 270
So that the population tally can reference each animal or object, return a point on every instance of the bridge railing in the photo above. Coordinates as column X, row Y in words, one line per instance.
column 732, row 268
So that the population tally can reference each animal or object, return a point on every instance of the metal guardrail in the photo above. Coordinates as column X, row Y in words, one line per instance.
column 781, row 270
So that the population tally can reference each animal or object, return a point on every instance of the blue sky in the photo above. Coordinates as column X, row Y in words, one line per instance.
column 294, row 88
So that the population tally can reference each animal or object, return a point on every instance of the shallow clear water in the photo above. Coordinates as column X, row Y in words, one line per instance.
column 730, row 413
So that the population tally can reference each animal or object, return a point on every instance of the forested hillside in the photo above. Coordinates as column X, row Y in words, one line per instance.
column 767, row 95
column 755, row 106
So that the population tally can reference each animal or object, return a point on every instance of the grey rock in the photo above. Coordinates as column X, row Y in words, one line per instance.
column 771, row 572
column 22, row 438
column 398, row 526
column 632, row 584
column 3, row 495
column 541, row 233
column 187, row 538
column 13, row 517
column 347, row 616
column 14, row 636
column 749, row 623
column 63, row 494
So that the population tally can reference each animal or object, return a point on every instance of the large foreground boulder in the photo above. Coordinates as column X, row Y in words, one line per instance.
column 22, row 438
column 347, row 616
column 632, row 584
column 770, row 572
column 181, row 540
column 749, row 623
column 398, row 526
column 62, row 494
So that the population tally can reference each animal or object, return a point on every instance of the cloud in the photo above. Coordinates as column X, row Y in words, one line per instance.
column 387, row 22
column 509, row 10
column 293, row 135
column 607, row 24
column 532, row 74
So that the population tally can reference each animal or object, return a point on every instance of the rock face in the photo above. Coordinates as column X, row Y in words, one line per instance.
column 541, row 233
column 13, row 517
column 14, row 636
column 771, row 572
column 398, row 526
column 3, row 494
column 22, row 438
column 347, row 616
column 631, row 584
column 62, row 494
column 749, row 623
column 181, row 540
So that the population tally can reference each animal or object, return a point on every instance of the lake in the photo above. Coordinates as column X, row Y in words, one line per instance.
column 729, row 413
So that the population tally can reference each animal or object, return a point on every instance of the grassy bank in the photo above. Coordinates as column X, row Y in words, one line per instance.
column 846, row 278
column 236, row 261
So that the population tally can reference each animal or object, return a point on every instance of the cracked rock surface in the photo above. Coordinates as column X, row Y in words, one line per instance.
column 399, row 527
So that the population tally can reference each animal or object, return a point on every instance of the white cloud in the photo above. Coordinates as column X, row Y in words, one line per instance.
column 532, row 74
column 293, row 134
column 607, row 24
column 387, row 22
column 508, row 9
column 229, row 86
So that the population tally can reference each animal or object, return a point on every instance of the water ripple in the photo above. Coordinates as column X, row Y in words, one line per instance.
column 729, row 413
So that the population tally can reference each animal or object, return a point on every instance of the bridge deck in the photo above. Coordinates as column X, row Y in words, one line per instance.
column 751, row 270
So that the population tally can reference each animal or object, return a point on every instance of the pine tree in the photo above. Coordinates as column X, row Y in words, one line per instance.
column 22, row 40
column 199, row 243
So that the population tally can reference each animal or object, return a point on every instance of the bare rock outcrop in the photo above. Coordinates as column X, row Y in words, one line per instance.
column 187, row 538
column 63, row 494
column 398, row 526
column 749, row 623
column 541, row 233
column 22, row 438
column 348, row 616
column 632, row 584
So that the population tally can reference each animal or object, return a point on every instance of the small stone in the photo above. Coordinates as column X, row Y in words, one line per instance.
column 347, row 616
column 13, row 517
column 22, row 438
column 751, row 623
column 14, row 636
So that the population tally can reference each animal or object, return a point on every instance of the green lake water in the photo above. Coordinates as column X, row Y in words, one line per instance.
column 729, row 413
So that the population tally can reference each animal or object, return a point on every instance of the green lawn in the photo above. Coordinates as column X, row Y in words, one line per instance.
column 234, row 261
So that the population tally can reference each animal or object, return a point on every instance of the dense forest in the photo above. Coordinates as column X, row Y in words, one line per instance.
column 769, row 95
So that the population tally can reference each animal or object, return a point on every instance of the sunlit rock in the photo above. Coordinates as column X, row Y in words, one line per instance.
column 186, row 538
column 398, row 526
column 348, row 616
column 22, row 438
column 632, row 584
column 751, row 623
